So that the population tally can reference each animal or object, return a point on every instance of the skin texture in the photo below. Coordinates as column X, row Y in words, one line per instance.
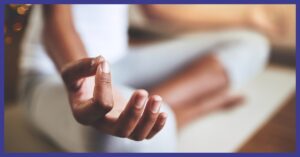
column 98, row 108
column 198, row 16
column 206, row 73
column 198, row 90
column 92, row 98
column 264, row 18
column 95, row 102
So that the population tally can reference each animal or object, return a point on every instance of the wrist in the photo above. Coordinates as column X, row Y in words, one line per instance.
column 60, row 51
column 69, row 62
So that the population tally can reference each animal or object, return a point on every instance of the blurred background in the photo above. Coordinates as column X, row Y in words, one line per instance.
column 273, row 131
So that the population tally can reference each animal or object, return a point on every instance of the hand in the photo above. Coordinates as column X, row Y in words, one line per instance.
column 96, row 103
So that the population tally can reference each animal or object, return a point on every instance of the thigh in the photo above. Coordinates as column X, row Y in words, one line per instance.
column 150, row 64
column 50, row 112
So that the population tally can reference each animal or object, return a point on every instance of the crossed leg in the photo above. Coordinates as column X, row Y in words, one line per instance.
column 194, row 73
column 198, row 90
column 243, row 56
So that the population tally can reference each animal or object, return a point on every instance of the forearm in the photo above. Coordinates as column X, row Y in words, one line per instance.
column 200, row 79
column 199, row 16
column 61, row 40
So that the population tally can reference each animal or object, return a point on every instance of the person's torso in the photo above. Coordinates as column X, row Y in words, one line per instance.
column 102, row 28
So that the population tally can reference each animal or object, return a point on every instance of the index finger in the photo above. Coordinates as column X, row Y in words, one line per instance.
column 73, row 72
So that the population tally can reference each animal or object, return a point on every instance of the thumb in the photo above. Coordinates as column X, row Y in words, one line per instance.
column 103, row 94
column 73, row 72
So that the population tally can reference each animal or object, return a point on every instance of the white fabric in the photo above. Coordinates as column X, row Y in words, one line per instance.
column 102, row 28
column 242, row 53
column 50, row 113
column 143, row 66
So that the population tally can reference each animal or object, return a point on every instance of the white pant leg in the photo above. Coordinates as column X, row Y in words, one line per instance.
column 51, row 114
column 148, row 65
column 243, row 54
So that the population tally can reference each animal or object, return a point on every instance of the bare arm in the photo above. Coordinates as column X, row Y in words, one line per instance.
column 195, row 16
column 263, row 18
column 88, row 80
column 62, row 42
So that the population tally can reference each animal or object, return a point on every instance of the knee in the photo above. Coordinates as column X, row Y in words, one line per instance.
column 253, row 48
column 259, row 46
column 245, row 56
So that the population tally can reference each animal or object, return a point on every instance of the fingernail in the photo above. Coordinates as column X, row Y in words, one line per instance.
column 105, row 67
column 156, row 106
column 140, row 103
column 97, row 60
column 100, row 58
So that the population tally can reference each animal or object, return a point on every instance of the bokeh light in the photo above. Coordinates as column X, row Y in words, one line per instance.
column 22, row 10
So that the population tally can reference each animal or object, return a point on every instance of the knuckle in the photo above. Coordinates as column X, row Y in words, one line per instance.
column 134, row 114
column 150, row 118
column 105, row 79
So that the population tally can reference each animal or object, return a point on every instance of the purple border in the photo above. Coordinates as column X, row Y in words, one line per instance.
column 3, row 2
